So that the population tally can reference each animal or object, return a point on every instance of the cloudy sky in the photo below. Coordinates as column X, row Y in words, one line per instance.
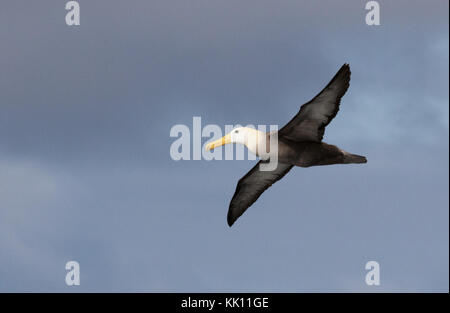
column 86, row 175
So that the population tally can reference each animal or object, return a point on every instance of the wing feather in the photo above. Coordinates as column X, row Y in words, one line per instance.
column 251, row 186
column 310, row 122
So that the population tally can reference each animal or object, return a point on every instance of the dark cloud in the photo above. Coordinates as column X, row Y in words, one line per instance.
column 85, row 171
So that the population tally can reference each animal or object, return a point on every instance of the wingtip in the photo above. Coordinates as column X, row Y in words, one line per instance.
column 345, row 70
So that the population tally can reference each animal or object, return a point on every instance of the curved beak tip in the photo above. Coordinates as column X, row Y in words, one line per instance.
column 220, row 142
column 209, row 147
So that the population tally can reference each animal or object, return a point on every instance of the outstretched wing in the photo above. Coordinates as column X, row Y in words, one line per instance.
column 251, row 186
column 310, row 122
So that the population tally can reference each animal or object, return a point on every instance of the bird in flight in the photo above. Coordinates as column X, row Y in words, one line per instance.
column 299, row 143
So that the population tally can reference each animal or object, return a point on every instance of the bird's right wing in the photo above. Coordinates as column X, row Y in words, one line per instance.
column 251, row 186
column 310, row 122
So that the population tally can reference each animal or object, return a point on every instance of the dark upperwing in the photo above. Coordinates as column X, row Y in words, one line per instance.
column 310, row 122
column 251, row 186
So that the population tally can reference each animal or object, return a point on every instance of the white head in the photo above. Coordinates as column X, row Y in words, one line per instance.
column 240, row 135
column 243, row 135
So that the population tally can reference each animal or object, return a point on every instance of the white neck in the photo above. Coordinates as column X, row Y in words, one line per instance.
column 254, row 139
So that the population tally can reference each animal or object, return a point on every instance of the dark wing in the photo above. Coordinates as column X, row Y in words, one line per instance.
column 310, row 122
column 251, row 186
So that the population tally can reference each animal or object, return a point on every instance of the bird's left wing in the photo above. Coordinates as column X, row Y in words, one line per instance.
column 310, row 122
column 251, row 186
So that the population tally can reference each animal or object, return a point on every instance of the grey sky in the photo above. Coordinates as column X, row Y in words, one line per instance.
column 85, row 171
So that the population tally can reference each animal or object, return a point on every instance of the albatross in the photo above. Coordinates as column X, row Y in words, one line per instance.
column 299, row 143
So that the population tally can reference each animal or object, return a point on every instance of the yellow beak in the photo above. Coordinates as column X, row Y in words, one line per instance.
column 220, row 142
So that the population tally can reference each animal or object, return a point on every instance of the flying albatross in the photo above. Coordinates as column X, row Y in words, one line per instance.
column 299, row 144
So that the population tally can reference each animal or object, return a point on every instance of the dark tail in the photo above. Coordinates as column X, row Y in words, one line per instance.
column 354, row 158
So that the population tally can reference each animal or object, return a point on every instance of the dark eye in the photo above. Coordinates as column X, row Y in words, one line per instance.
column 236, row 131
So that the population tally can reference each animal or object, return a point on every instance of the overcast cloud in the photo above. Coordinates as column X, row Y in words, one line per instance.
column 85, row 170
